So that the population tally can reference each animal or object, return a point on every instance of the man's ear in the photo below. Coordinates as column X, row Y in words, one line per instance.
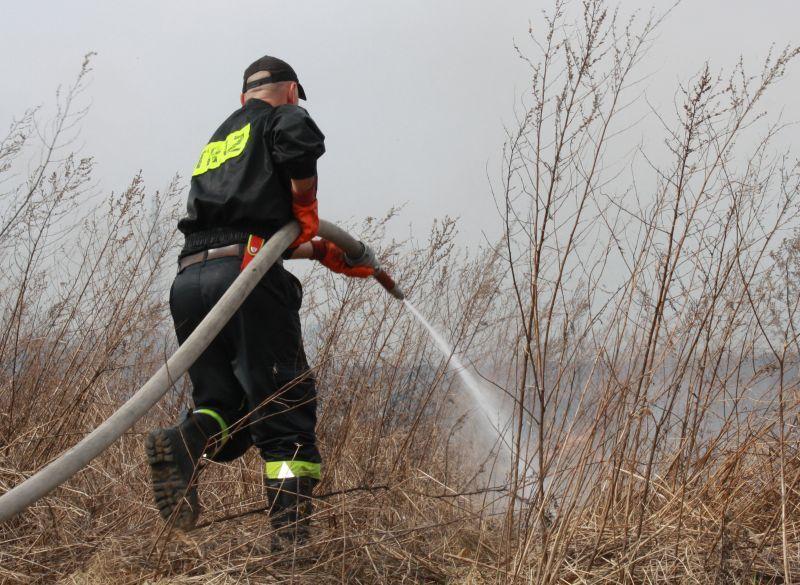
column 241, row 99
column 294, row 94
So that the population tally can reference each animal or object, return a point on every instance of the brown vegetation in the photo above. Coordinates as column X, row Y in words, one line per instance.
column 644, row 335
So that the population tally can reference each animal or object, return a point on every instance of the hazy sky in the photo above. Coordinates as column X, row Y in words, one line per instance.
column 412, row 95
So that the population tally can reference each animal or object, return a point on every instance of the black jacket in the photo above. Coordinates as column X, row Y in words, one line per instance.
column 241, row 183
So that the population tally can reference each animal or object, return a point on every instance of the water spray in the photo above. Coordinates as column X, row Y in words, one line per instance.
column 493, row 420
column 357, row 253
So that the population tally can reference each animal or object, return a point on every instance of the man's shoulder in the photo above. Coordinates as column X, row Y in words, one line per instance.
column 291, row 109
column 290, row 112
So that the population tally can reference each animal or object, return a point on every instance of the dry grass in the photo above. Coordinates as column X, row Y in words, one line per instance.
column 643, row 333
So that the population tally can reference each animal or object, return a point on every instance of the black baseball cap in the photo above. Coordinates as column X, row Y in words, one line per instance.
column 279, row 71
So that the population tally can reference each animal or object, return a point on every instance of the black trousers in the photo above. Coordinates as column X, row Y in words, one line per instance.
column 254, row 375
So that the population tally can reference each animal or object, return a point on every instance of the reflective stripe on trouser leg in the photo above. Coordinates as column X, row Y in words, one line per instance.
column 287, row 469
column 221, row 421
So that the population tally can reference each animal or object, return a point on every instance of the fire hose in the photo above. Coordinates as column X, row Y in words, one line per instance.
column 76, row 458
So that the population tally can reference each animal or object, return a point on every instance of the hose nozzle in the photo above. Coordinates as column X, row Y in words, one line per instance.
column 389, row 284
column 368, row 258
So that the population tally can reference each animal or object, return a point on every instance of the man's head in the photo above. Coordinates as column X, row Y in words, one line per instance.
column 272, row 80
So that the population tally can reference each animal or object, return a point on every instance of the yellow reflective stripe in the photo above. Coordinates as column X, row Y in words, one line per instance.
column 216, row 153
column 285, row 469
column 215, row 415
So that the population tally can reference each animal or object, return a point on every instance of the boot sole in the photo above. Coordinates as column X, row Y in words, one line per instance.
column 175, row 498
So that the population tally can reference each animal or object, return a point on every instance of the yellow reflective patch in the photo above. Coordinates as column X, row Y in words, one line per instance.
column 216, row 153
column 287, row 469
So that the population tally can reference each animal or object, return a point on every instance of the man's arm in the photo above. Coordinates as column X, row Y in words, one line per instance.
column 296, row 144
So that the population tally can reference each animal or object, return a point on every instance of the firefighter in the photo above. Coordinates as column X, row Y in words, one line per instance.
column 252, row 385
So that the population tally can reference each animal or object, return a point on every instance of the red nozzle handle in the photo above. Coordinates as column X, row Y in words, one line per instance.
column 389, row 284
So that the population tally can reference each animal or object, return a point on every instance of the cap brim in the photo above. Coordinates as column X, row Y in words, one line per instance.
column 301, row 92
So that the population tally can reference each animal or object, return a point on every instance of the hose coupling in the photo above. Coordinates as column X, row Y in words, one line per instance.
column 366, row 258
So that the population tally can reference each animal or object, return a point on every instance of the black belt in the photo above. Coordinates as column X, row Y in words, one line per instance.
column 213, row 238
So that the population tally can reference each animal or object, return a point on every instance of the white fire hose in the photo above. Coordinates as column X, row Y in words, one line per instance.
column 73, row 460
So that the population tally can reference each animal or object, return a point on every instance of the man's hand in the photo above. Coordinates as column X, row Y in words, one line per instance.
column 304, row 208
column 332, row 257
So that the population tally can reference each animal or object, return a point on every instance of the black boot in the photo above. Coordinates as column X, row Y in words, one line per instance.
column 289, row 508
column 173, row 455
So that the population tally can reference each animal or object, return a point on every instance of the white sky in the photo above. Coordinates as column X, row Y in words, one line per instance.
column 412, row 95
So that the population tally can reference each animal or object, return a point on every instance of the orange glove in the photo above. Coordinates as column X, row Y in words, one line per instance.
column 304, row 209
column 332, row 257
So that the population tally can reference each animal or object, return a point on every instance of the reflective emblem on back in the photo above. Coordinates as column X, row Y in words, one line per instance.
column 216, row 153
